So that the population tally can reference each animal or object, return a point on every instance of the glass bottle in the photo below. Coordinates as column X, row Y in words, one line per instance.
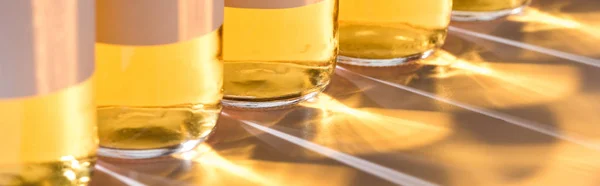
column 485, row 10
column 276, row 52
column 391, row 32
column 48, row 129
column 159, row 75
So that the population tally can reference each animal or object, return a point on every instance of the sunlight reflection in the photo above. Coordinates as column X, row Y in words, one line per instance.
column 211, row 160
column 502, row 84
column 449, row 65
column 520, row 165
column 548, row 21
column 534, row 15
column 367, row 130
column 217, row 170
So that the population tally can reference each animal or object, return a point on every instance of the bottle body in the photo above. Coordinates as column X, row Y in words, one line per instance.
column 47, row 136
column 159, row 93
column 48, row 127
column 483, row 10
column 278, row 53
column 390, row 32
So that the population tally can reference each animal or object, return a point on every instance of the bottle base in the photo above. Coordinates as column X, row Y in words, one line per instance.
column 68, row 171
column 465, row 16
column 384, row 62
column 148, row 153
column 150, row 132
column 233, row 102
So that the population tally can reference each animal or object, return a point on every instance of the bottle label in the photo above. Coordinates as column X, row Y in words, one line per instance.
column 45, row 46
column 156, row 22
column 269, row 4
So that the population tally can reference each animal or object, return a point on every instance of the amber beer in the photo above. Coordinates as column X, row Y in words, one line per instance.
column 391, row 32
column 48, row 128
column 483, row 10
column 277, row 52
column 159, row 75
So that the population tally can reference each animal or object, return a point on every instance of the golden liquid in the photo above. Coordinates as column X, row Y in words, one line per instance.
column 487, row 5
column 49, row 139
column 273, row 54
column 388, row 29
column 158, row 96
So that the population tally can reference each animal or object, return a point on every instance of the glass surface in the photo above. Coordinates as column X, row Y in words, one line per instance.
column 49, row 139
column 160, row 99
column 483, row 10
column 276, row 57
column 481, row 111
column 48, row 134
column 391, row 32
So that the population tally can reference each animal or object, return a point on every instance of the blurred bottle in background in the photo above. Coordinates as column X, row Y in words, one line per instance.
column 391, row 32
column 48, row 128
column 485, row 10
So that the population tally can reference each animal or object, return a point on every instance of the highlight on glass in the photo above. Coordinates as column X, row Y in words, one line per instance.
column 277, row 53
column 48, row 128
column 485, row 10
column 391, row 32
column 159, row 73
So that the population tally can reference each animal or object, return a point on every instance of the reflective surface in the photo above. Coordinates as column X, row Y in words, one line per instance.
column 507, row 102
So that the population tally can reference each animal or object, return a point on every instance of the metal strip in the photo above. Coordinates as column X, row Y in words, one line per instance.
column 551, row 52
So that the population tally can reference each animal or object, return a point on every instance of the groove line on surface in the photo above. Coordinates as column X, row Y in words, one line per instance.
column 358, row 163
column 124, row 179
column 493, row 114
column 556, row 53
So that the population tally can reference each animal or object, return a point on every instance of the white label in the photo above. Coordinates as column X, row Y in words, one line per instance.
column 269, row 4
column 155, row 22
column 45, row 46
